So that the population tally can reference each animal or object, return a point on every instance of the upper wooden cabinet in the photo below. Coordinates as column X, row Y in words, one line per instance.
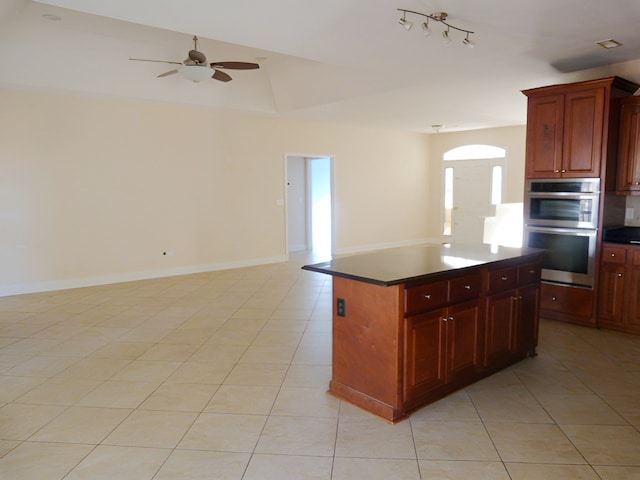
column 628, row 182
column 568, row 127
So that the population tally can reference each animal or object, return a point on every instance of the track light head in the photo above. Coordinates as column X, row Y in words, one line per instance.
column 467, row 42
column 405, row 23
column 425, row 29
column 445, row 37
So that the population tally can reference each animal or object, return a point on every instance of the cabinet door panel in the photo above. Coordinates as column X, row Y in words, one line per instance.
column 424, row 367
column 499, row 329
column 583, row 128
column 633, row 300
column 544, row 136
column 463, row 332
column 526, row 328
column 629, row 149
column 610, row 292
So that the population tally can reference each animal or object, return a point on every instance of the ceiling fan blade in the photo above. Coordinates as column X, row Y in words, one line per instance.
column 235, row 65
column 157, row 61
column 223, row 77
column 166, row 74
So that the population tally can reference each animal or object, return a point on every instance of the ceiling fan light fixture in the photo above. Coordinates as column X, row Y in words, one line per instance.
column 195, row 73
column 196, row 69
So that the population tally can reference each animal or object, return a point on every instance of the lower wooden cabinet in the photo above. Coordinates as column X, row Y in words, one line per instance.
column 441, row 347
column 512, row 313
column 618, row 288
column 397, row 348
column 453, row 345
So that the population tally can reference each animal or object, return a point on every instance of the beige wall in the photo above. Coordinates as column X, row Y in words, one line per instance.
column 510, row 138
column 94, row 190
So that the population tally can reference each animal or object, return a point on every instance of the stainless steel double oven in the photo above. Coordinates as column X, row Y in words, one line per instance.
column 561, row 216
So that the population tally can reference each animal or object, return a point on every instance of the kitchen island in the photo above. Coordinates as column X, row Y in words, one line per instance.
column 413, row 324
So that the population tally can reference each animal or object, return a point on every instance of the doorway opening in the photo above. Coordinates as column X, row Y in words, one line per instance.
column 474, row 210
column 310, row 205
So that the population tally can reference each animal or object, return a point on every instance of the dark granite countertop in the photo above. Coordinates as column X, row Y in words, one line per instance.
column 399, row 265
column 628, row 235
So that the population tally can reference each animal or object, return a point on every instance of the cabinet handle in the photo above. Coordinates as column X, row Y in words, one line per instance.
column 427, row 296
column 450, row 319
column 515, row 298
column 563, row 171
column 445, row 319
column 613, row 254
column 556, row 171
column 504, row 279
column 636, row 183
column 619, row 275
column 468, row 287
column 532, row 272
column 554, row 298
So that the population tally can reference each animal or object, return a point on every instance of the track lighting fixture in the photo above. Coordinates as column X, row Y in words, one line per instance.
column 440, row 17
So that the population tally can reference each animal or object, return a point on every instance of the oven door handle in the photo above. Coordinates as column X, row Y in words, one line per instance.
column 565, row 195
column 587, row 232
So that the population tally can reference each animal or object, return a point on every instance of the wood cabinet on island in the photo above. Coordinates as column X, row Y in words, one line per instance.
column 413, row 324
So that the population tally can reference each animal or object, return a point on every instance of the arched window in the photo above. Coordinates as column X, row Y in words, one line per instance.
column 475, row 152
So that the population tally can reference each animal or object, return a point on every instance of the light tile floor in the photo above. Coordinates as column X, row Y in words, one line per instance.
column 224, row 375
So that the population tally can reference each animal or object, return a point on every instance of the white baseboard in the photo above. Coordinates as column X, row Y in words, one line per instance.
column 66, row 284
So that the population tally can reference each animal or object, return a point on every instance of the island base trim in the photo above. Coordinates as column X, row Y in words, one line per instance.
column 370, row 404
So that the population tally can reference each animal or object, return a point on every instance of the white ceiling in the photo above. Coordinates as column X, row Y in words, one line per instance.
column 346, row 61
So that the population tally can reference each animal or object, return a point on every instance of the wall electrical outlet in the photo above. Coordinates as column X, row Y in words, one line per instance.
column 630, row 213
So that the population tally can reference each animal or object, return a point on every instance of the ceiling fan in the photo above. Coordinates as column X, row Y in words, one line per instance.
column 195, row 67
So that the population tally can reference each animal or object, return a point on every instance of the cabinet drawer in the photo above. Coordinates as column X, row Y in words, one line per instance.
column 560, row 298
column 614, row 254
column 466, row 287
column 425, row 297
column 529, row 273
column 502, row 279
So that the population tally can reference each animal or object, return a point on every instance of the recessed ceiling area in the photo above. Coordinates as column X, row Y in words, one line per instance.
column 342, row 61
